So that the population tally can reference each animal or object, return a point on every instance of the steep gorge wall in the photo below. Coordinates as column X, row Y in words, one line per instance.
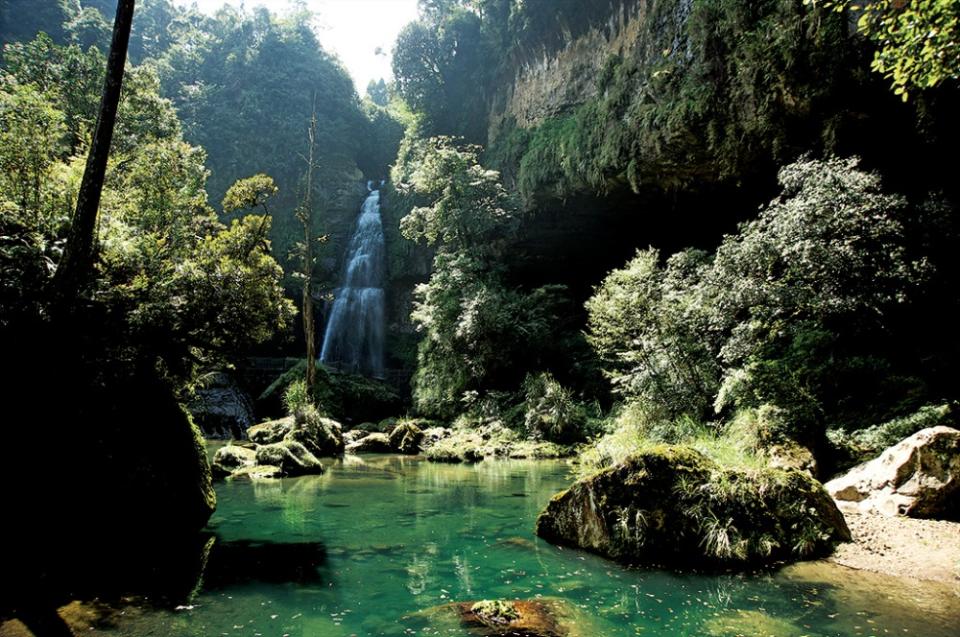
column 553, row 80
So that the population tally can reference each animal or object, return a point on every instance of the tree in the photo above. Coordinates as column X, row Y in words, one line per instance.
column 248, row 194
column 75, row 268
column 812, row 307
column 305, row 215
column 378, row 92
column 918, row 41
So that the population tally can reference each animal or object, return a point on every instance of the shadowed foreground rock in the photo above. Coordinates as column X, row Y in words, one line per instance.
column 918, row 477
column 673, row 506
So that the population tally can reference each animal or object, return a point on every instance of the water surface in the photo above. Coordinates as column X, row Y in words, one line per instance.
column 357, row 550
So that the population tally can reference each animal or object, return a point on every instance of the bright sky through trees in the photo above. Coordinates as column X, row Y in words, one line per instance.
column 353, row 29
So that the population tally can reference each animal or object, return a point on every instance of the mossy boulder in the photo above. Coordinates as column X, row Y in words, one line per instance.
column 271, row 432
column 488, row 440
column 227, row 460
column 290, row 456
column 406, row 438
column 673, row 506
column 354, row 435
column 321, row 436
column 257, row 472
column 371, row 443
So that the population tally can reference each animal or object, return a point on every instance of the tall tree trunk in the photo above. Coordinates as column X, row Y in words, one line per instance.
column 306, row 217
column 76, row 266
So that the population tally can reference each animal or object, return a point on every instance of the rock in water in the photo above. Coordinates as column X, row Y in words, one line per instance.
column 221, row 409
column 290, row 456
column 271, row 432
column 542, row 617
column 406, row 438
column 373, row 443
column 918, row 477
column 229, row 459
column 321, row 436
column 673, row 506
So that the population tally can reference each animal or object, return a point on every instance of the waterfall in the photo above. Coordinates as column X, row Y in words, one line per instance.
column 353, row 341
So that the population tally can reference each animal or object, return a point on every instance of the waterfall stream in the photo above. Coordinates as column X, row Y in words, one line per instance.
column 353, row 341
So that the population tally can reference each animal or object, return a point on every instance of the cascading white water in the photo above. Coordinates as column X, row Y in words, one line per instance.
column 353, row 341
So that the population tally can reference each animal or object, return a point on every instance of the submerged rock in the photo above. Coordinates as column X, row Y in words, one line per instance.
column 271, row 432
column 543, row 617
column 406, row 438
column 290, row 456
column 673, row 506
column 917, row 477
column 371, row 443
column 229, row 459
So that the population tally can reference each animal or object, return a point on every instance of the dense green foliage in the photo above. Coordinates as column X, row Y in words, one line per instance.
column 918, row 43
column 440, row 64
column 810, row 308
column 178, row 285
column 244, row 84
column 478, row 332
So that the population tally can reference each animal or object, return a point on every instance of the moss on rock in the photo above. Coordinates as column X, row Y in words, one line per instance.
column 672, row 505
column 406, row 438
column 371, row 443
column 227, row 460
column 290, row 456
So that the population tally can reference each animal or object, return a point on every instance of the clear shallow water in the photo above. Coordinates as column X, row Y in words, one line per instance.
column 386, row 536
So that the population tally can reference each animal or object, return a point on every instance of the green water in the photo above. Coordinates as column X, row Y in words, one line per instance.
column 400, row 535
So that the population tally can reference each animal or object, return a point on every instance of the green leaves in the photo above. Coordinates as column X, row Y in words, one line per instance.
column 918, row 41
column 249, row 193
column 800, row 309
column 469, row 207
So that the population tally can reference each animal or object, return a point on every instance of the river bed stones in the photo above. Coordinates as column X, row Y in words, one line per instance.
column 542, row 617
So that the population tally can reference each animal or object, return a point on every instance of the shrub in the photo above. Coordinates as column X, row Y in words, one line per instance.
column 296, row 397
column 552, row 413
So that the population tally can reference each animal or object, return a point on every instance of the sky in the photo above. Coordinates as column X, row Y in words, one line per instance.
column 352, row 29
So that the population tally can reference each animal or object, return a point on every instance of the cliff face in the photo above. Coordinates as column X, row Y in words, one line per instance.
column 552, row 81
column 663, row 122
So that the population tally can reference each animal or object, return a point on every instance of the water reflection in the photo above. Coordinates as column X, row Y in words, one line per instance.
column 377, row 539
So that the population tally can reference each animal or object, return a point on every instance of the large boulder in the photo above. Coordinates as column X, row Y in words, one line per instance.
column 227, row 460
column 291, row 457
column 321, row 436
column 673, row 506
column 406, row 438
column 221, row 409
column 372, row 443
column 271, row 432
column 917, row 477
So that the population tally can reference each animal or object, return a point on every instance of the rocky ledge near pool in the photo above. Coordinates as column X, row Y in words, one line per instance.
column 285, row 447
column 918, row 477
column 672, row 506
